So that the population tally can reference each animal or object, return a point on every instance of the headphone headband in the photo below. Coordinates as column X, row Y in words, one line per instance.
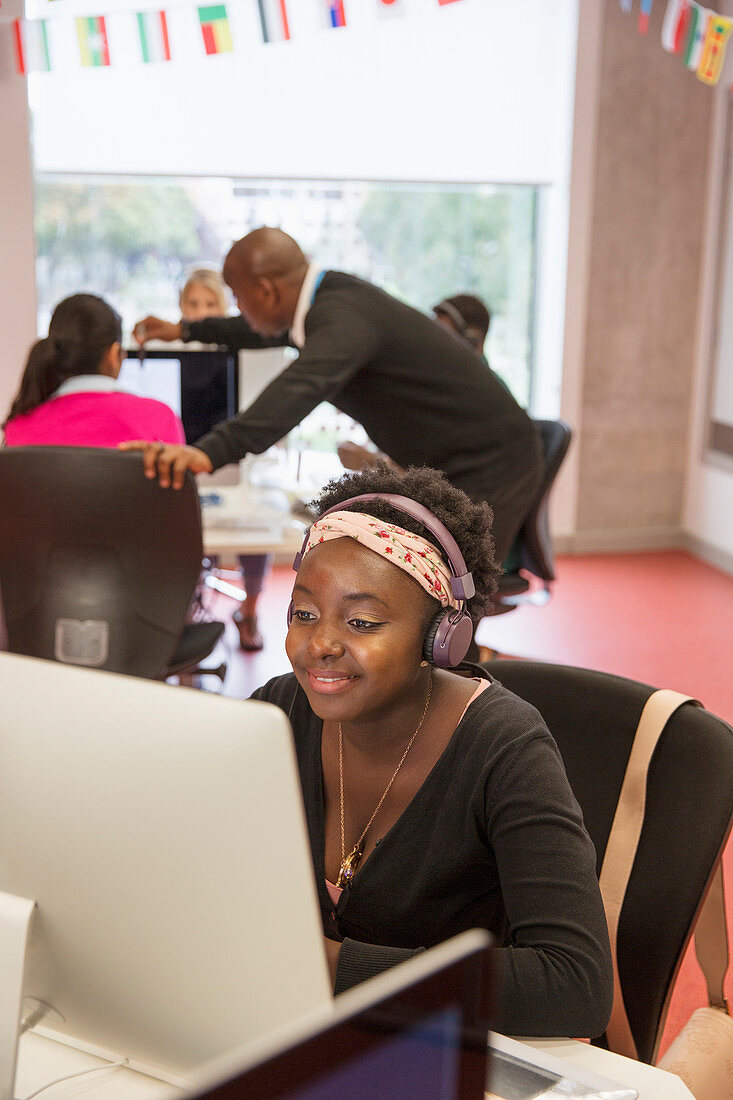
column 461, row 582
column 454, row 313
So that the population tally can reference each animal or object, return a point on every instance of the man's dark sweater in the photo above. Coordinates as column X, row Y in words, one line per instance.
column 423, row 395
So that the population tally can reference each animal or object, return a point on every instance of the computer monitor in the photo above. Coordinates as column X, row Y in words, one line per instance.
column 161, row 832
column 200, row 382
column 418, row 1030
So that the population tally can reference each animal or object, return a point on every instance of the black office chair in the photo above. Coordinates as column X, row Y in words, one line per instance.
column 533, row 543
column 98, row 564
column 593, row 717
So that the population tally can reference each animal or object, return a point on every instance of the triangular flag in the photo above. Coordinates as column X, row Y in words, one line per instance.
column 274, row 20
column 30, row 39
column 91, row 30
column 335, row 14
column 645, row 10
column 713, row 52
column 152, row 27
column 676, row 20
column 215, row 29
column 696, row 35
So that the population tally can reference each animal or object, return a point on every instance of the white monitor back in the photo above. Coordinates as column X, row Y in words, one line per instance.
column 162, row 833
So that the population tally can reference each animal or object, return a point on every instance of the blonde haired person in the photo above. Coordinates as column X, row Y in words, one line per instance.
column 203, row 294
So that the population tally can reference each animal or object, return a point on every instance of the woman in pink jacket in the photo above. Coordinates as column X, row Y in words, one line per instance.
column 69, row 395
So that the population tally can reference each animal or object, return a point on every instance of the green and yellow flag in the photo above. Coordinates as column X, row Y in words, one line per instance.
column 91, row 31
column 215, row 28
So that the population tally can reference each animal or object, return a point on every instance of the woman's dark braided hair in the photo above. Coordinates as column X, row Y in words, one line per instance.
column 469, row 523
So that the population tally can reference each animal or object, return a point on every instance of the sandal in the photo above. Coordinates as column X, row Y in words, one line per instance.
column 250, row 638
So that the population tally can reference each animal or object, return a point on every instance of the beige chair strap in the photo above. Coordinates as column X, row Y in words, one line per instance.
column 623, row 842
column 711, row 940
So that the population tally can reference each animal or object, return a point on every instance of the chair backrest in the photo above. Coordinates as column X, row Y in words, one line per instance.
column 593, row 717
column 534, row 535
column 98, row 564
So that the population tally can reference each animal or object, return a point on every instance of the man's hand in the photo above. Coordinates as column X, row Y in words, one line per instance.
column 355, row 457
column 169, row 461
column 152, row 328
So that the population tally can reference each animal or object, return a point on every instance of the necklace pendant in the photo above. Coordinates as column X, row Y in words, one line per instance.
column 347, row 870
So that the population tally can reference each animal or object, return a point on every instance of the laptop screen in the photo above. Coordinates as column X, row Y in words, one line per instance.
column 426, row 1038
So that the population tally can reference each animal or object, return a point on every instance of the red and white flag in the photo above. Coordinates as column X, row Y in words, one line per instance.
column 675, row 25
column 30, row 39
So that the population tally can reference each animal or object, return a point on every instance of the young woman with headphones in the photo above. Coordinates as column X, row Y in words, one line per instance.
column 436, row 800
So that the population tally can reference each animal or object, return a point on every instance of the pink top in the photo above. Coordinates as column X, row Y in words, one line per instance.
column 334, row 891
column 94, row 419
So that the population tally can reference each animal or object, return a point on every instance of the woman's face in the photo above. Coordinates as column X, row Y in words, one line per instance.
column 198, row 302
column 355, row 642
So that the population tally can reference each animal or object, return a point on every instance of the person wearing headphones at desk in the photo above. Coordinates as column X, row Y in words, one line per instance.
column 436, row 800
column 466, row 315
column 421, row 393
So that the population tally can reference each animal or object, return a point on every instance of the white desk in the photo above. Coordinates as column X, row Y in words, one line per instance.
column 41, row 1060
column 250, row 521
column 649, row 1082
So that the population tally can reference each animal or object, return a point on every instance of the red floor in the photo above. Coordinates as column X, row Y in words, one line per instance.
column 663, row 618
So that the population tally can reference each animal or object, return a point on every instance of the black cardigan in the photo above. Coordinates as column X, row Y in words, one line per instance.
column 494, row 839
column 424, row 396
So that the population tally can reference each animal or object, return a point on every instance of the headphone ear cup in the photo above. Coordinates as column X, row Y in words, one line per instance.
column 448, row 638
column 291, row 612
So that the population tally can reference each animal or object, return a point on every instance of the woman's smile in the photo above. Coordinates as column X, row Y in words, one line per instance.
column 329, row 683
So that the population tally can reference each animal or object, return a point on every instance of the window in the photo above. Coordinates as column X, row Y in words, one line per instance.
column 131, row 239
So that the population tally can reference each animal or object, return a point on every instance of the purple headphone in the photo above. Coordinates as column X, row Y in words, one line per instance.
column 451, row 630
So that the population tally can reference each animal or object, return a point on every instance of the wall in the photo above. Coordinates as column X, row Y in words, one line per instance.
column 708, row 509
column 471, row 91
column 646, row 234
column 17, row 277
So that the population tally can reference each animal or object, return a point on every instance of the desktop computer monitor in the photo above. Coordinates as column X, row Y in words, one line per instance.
column 161, row 832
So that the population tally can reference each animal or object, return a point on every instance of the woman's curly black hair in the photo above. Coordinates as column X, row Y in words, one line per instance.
column 469, row 523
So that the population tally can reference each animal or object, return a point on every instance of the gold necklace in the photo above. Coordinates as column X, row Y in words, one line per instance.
column 350, row 862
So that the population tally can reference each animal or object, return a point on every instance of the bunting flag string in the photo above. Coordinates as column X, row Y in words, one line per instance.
column 696, row 33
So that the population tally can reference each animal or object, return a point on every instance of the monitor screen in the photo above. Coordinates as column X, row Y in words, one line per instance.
column 158, row 378
column 200, row 383
column 162, row 834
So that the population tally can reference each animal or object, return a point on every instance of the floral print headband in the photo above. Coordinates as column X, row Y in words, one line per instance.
column 418, row 557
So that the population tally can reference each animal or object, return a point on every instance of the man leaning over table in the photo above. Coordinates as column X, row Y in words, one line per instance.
column 422, row 394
